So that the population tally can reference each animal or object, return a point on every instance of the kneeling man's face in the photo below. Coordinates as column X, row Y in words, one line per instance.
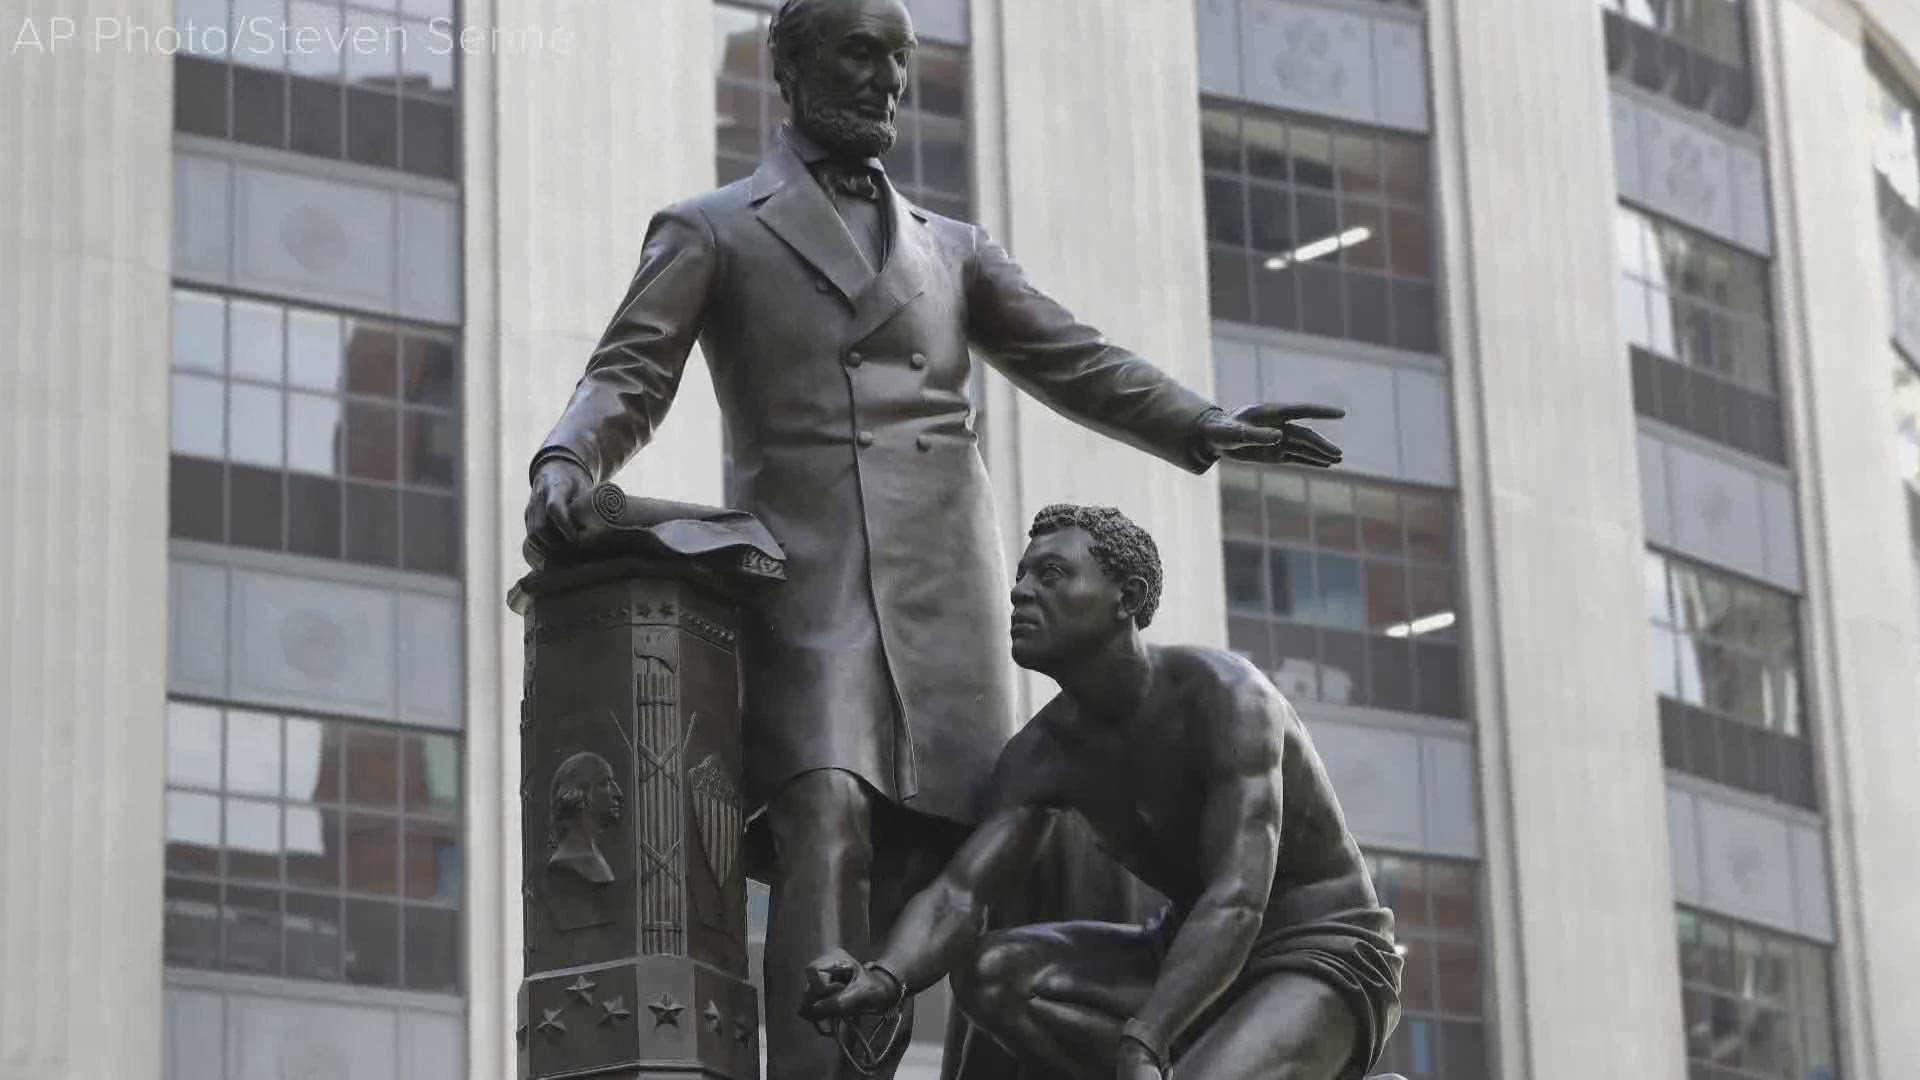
column 1065, row 608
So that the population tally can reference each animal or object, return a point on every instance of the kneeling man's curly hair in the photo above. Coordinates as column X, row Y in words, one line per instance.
column 1122, row 548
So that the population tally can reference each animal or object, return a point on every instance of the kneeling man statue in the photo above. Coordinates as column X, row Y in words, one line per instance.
column 1274, row 958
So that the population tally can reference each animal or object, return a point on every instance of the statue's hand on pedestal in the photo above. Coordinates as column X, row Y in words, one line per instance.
column 558, row 486
column 838, row 986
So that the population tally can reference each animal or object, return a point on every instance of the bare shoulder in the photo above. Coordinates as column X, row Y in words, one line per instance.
column 1232, row 704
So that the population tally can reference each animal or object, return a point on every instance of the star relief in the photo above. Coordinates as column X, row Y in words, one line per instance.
column 666, row 1011
column 716, row 1023
column 614, row 1009
column 582, row 988
column 550, row 1023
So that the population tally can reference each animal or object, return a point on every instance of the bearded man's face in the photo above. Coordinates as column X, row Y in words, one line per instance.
column 847, row 96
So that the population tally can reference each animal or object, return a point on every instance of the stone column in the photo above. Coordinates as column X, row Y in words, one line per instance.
column 1863, row 634
column 1580, row 917
column 570, row 148
column 85, row 212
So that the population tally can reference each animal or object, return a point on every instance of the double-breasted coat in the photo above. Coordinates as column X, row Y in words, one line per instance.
column 845, row 397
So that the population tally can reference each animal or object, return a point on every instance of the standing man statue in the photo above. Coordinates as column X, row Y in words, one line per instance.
column 837, row 320
column 1274, row 959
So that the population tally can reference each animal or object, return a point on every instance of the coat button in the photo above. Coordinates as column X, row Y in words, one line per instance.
column 865, row 438
column 853, row 359
column 923, row 442
column 822, row 285
column 918, row 361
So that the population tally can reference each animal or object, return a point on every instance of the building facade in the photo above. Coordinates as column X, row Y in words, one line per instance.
column 1608, row 628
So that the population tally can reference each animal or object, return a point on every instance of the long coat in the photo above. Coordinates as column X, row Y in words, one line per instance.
column 844, row 394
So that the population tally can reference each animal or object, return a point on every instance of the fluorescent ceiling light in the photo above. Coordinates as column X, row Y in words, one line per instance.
column 1425, row 624
column 1321, row 248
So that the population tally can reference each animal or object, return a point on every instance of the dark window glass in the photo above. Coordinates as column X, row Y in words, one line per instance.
column 317, row 117
column 200, row 97
column 313, row 516
column 1335, row 226
column 259, row 106
column 254, row 503
column 1436, row 928
column 428, row 145
column 1357, row 581
column 197, row 499
column 1693, row 51
column 373, row 525
column 432, row 530
column 1755, row 1002
column 373, row 127
column 289, row 847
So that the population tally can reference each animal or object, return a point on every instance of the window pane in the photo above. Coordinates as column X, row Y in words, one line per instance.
column 252, row 939
column 1290, row 586
column 252, row 839
column 313, row 846
column 373, row 854
column 193, row 833
column 253, row 752
column 373, row 358
column 433, row 949
column 431, row 870
column 1267, row 149
column 253, row 425
column 431, row 377
column 193, row 745
column 192, row 924
column 431, row 527
column 1334, row 525
column 254, row 349
column 313, row 936
column 313, row 760
column 1287, row 517
column 1386, row 592
column 372, row 451
column 1339, row 582
column 313, row 351
column 426, row 61
column 314, row 29
column 199, row 332
column 1457, row 966
column 432, row 444
column 199, row 420
column 373, row 58
column 1429, row 527
column 314, row 434
column 373, row 524
column 259, row 50
column 1245, row 574
column 1240, row 502
column 372, row 943
column 432, row 774
column 372, row 759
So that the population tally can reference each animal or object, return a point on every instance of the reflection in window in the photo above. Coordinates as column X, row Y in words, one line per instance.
column 312, row 848
column 1725, row 663
column 1698, row 321
column 1318, row 228
column 309, row 432
column 1343, row 591
column 1693, row 51
column 1896, row 144
column 1755, row 1003
column 1435, row 902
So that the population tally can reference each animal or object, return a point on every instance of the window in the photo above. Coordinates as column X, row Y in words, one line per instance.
column 1435, row 902
column 931, row 162
column 1698, row 321
column 1755, row 1003
column 371, row 81
column 1896, row 144
column 1725, row 662
column 1693, row 51
column 1343, row 591
column 312, row 848
column 316, row 433
column 1906, row 408
column 1318, row 228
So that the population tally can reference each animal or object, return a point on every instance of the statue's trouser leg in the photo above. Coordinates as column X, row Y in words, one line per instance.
column 822, row 828
column 1287, row 1026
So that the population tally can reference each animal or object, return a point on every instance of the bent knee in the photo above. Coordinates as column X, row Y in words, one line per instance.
column 823, row 807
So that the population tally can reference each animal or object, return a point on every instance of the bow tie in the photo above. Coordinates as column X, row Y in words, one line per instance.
column 859, row 181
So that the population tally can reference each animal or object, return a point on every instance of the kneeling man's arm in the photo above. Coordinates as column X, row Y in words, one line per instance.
column 945, row 920
column 1240, row 849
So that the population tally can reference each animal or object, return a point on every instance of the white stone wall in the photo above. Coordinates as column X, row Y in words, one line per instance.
column 1580, row 914
column 85, row 210
column 1863, row 640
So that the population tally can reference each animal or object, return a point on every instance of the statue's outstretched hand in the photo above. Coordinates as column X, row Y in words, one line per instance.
column 1272, row 435
column 557, row 486
column 839, row 986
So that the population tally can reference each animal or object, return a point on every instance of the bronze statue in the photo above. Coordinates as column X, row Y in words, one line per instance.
column 837, row 319
column 1274, row 958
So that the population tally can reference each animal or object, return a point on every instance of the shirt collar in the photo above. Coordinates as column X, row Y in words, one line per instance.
column 812, row 153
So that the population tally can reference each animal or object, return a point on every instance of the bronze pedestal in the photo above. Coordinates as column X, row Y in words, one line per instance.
column 635, row 897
